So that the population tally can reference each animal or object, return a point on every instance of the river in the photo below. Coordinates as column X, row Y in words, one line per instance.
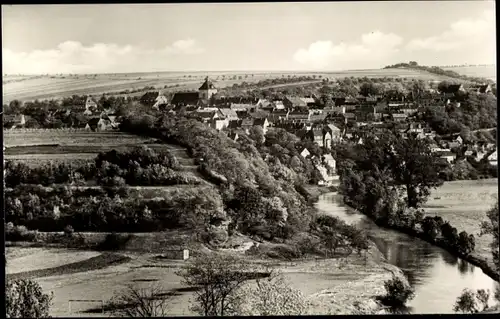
column 437, row 276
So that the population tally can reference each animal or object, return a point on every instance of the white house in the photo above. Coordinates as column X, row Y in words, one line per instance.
column 329, row 161
column 493, row 158
column 305, row 153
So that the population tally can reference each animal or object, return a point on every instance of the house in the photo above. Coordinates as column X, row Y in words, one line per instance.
column 262, row 122
column 309, row 101
column 492, row 158
column 98, row 124
column 278, row 115
column 153, row 99
column 327, row 140
column 218, row 123
column 278, row 105
column 298, row 115
column 334, row 131
column 305, row 153
column 399, row 117
column 480, row 89
column 292, row 102
column 206, row 115
column 160, row 102
column 259, row 114
column 229, row 114
column 90, row 103
column 316, row 136
column 185, row 99
column 329, row 161
column 14, row 121
column 234, row 125
column 233, row 136
column 206, row 90
column 263, row 103
column 317, row 116
column 246, row 124
column 448, row 156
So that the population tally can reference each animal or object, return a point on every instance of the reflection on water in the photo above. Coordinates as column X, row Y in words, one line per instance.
column 437, row 276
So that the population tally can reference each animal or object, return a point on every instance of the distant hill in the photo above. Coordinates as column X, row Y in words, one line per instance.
column 440, row 71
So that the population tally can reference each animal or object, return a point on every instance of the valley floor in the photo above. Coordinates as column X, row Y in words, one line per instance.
column 331, row 285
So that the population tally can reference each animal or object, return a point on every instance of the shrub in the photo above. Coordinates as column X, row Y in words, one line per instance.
column 397, row 293
column 466, row 302
column 68, row 231
column 25, row 299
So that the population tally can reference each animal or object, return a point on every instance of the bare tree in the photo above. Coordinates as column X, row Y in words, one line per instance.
column 217, row 278
column 140, row 302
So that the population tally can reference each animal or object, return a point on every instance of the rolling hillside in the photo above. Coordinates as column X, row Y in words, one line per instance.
column 27, row 88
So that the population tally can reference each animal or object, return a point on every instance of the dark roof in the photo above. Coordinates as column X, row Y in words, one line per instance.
column 234, row 124
column 149, row 97
column 452, row 88
column 207, row 85
column 260, row 121
column 185, row 98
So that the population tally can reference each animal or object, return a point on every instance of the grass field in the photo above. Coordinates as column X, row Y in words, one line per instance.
column 46, row 87
column 329, row 286
column 464, row 204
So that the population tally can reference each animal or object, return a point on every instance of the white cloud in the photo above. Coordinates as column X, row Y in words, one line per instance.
column 463, row 33
column 373, row 47
column 73, row 57
column 188, row 46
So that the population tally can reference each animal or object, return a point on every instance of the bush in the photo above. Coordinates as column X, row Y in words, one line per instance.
column 68, row 231
column 25, row 299
column 466, row 302
column 397, row 293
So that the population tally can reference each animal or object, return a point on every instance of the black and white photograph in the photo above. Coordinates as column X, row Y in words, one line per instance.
column 250, row 159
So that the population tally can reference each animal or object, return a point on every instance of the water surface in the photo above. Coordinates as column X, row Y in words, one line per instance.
column 437, row 276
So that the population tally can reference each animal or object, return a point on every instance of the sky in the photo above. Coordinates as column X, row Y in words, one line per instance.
column 323, row 36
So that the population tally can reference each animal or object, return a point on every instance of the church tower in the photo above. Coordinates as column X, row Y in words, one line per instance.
column 207, row 89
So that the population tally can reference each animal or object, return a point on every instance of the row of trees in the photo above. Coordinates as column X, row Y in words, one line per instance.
column 111, row 210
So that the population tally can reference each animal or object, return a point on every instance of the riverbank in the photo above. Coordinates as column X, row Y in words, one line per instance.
column 487, row 267
column 315, row 191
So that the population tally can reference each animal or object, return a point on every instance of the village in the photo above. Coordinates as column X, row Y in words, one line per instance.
column 341, row 119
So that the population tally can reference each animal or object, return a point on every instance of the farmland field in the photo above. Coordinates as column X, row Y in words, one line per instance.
column 35, row 147
column 464, row 204
column 46, row 87
column 488, row 71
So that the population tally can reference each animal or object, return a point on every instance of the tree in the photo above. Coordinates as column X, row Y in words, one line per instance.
column 491, row 227
column 483, row 296
column 25, row 299
column 397, row 293
column 369, row 88
column 218, row 278
column 271, row 296
column 140, row 303
column 466, row 302
column 257, row 134
column 466, row 243
column 416, row 168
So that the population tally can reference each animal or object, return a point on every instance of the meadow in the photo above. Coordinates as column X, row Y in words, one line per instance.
column 464, row 204
column 27, row 88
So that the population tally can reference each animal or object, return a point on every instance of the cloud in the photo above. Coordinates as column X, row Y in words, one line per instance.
column 74, row 57
column 188, row 46
column 372, row 47
column 463, row 33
